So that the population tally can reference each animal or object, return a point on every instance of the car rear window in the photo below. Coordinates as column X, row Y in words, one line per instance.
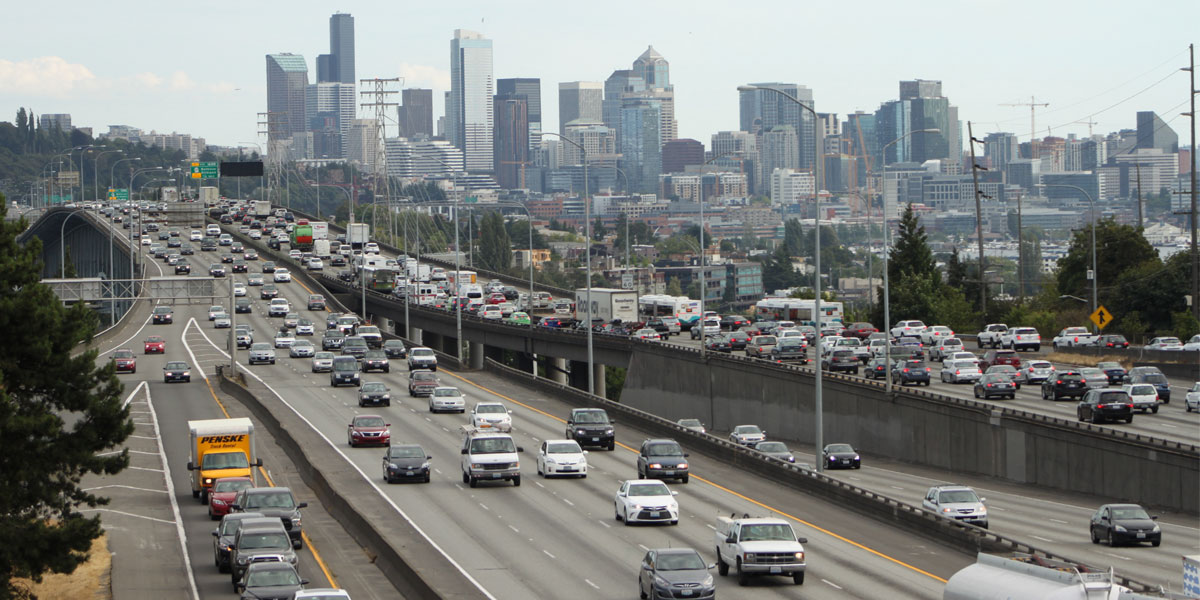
column 1107, row 397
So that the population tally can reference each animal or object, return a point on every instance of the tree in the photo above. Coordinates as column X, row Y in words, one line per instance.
column 913, row 278
column 598, row 229
column 41, row 383
column 778, row 272
column 1119, row 248
column 911, row 254
column 495, row 248
column 793, row 237
column 674, row 288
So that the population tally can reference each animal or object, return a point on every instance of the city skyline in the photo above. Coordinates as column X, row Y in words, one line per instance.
column 216, row 90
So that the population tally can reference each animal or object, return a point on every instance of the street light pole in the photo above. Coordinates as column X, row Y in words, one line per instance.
column 818, row 406
column 1092, row 204
column 133, row 249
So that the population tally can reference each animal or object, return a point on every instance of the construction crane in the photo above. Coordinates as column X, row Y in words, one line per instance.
column 1032, row 104
column 1089, row 123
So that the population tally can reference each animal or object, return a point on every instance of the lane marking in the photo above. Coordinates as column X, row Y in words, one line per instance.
column 589, row 582
column 129, row 514
column 832, row 584
column 1041, row 538
column 126, row 487
column 725, row 489
column 187, row 559
column 547, row 553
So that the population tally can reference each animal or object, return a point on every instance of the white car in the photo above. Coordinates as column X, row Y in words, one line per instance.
column 447, row 398
column 958, row 371
column 1021, row 338
column 747, row 435
column 222, row 321
column 491, row 415
column 371, row 248
column 279, row 307
column 1165, row 343
column 315, row 264
column 302, row 349
column 1192, row 400
column 305, row 327
column 146, row 241
column 964, row 356
column 913, row 328
column 648, row 335
column 793, row 333
column 946, row 347
column 239, row 289
column 862, row 352
column 255, row 234
column 1037, row 371
column 322, row 362
column 646, row 500
column 282, row 275
column 932, row 335
column 215, row 310
column 828, row 342
column 491, row 312
column 561, row 457
column 284, row 339
column 196, row 235
column 1193, row 344
column 877, row 347
column 1143, row 395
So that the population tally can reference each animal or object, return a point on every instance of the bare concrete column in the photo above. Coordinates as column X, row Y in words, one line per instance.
column 476, row 354
column 598, row 377
column 556, row 368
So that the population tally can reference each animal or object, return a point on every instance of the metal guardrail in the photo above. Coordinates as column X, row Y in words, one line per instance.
column 871, row 503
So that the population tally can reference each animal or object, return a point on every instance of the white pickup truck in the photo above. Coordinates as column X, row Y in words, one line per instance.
column 990, row 336
column 1074, row 336
column 759, row 546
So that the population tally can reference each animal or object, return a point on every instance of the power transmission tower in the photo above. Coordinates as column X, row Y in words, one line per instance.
column 271, row 126
column 1032, row 104
column 378, row 89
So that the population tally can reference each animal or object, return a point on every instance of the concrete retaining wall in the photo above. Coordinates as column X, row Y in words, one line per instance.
column 960, row 436
column 413, row 566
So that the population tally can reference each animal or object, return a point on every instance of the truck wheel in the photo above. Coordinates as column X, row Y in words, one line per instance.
column 722, row 566
column 203, row 496
column 798, row 578
column 472, row 481
column 743, row 578
column 195, row 493
column 1154, row 409
column 683, row 479
column 465, row 478
column 517, row 481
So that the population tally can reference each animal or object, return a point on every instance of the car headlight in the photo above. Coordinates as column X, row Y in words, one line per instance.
column 660, row 582
column 1156, row 529
column 425, row 466
column 681, row 466
column 296, row 522
column 856, row 457
column 708, row 581
column 208, row 481
column 749, row 557
column 981, row 510
column 217, row 502
column 550, row 460
column 476, row 466
column 800, row 556
column 579, row 432
column 654, row 466
column 608, row 431
column 242, row 560
column 1121, row 529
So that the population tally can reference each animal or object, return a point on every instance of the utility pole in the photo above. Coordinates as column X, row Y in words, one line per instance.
column 1192, row 157
column 1032, row 104
column 978, row 220
column 1138, row 166
column 1020, row 253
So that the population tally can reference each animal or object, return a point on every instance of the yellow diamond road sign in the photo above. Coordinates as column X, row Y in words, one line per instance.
column 1101, row 317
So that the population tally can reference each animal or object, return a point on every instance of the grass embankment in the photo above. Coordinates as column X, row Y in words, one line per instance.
column 89, row 581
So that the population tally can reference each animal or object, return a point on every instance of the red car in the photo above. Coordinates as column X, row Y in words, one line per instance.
column 1000, row 357
column 496, row 298
column 861, row 331
column 155, row 345
column 223, row 491
column 125, row 361
column 368, row 430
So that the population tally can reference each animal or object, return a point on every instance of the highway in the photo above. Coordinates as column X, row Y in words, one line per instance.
column 525, row 542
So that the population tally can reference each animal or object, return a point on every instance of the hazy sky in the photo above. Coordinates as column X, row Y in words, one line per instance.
column 198, row 67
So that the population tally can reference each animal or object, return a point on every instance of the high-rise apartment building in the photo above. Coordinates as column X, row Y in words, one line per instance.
column 511, row 152
column 416, row 113
column 470, row 117
column 1000, row 149
column 616, row 87
column 531, row 89
column 287, row 88
column 641, row 143
column 595, row 137
column 780, row 150
column 323, row 101
column 581, row 100
column 762, row 110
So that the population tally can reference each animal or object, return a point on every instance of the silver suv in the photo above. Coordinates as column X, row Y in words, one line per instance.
column 957, row 502
column 261, row 352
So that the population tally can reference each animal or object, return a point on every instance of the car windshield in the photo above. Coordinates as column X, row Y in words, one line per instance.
column 270, row 500
column 496, row 445
column 175, row 365
column 663, row 450
column 1109, row 365
column 747, row 429
column 764, row 340
column 1154, row 378
column 236, row 485
column 230, row 526
column 224, row 460
column 369, row 422
column 841, row 448
column 957, row 496
column 1002, row 369
column 323, row 356
column 407, row 452
column 591, row 416
column 657, row 488
column 154, row 339
column 690, row 422
column 563, row 448
column 490, row 409
column 1169, row 340
column 261, row 346
column 374, row 386
column 446, row 392
column 258, row 541
column 1129, row 512
column 123, row 354
column 772, row 447
column 764, row 533
column 1092, row 373
column 680, row 562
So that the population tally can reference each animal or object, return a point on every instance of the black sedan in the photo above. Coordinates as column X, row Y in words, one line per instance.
column 1124, row 524
column 1116, row 373
column 841, row 456
column 395, row 349
column 163, row 315
column 177, row 370
column 242, row 306
column 182, row 268
column 738, row 340
column 1105, row 404
column 406, row 463
column 375, row 360
column 374, row 393
column 995, row 384
column 717, row 343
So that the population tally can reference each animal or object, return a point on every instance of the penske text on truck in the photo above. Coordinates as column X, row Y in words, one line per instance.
column 220, row 448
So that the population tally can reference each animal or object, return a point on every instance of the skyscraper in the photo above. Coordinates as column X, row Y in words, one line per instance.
column 470, row 119
column 329, row 109
column 921, row 106
column 511, row 150
column 416, row 113
column 616, row 87
column 340, row 64
column 581, row 100
column 762, row 110
column 653, row 69
column 531, row 89
column 1152, row 132
column 641, row 143
column 287, row 83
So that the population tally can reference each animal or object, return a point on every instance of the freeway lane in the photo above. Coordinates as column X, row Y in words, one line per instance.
column 522, row 542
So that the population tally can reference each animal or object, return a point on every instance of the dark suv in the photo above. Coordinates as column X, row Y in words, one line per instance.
column 841, row 360
column 1105, row 405
column 345, row 371
column 1000, row 357
column 273, row 502
column 1066, row 384
column 591, row 427
column 905, row 372
column 662, row 459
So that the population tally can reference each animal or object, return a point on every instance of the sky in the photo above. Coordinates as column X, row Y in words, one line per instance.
column 199, row 67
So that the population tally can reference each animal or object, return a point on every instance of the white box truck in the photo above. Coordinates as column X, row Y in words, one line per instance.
column 321, row 249
column 608, row 305
column 358, row 234
column 209, row 195
column 262, row 209
column 320, row 230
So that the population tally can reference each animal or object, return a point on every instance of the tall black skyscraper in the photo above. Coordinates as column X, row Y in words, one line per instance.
column 338, row 65
column 416, row 114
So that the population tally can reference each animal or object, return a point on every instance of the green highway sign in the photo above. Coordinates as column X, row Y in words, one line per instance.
column 204, row 170
column 471, row 199
column 118, row 194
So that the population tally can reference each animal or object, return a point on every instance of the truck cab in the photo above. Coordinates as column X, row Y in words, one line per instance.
column 759, row 546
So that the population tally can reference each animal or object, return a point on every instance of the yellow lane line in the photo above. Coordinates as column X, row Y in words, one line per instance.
column 723, row 488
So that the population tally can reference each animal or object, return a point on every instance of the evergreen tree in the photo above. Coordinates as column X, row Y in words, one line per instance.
column 1119, row 248
column 793, row 237
column 495, row 248
column 911, row 254
column 44, row 459
column 674, row 288
column 598, row 229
